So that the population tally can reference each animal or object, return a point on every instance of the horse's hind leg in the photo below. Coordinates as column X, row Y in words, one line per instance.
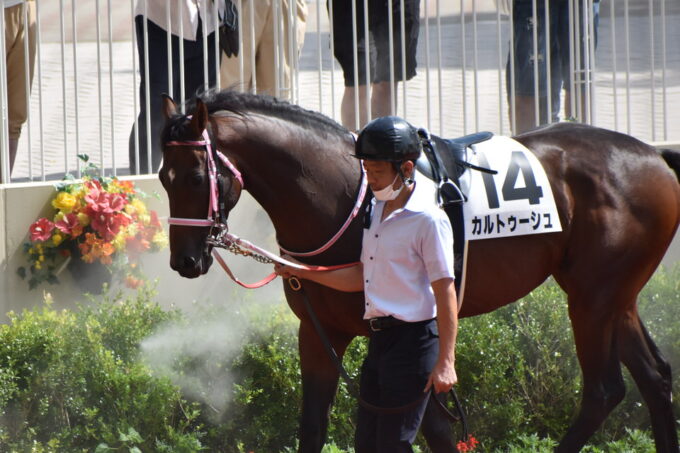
column 603, row 387
column 652, row 374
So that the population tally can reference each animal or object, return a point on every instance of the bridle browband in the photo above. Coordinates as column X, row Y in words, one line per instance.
column 219, row 235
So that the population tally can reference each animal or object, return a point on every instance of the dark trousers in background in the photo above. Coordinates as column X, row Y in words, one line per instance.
column 394, row 373
column 158, row 84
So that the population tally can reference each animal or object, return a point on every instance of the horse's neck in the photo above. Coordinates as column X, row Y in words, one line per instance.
column 305, row 184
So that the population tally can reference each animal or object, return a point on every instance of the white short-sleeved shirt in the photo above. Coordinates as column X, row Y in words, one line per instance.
column 403, row 254
column 188, row 11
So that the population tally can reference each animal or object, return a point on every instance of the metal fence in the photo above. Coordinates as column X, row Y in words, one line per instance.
column 85, row 96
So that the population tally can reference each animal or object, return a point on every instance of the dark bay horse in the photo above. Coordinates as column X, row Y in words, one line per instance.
column 618, row 201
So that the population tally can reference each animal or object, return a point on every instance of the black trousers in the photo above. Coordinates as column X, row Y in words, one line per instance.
column 394, row 373
column 158, row 84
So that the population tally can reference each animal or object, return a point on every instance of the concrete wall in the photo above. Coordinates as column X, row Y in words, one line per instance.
column 22, row 204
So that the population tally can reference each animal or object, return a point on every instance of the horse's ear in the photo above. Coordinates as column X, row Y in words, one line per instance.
column 169, row 107
column 200, row 117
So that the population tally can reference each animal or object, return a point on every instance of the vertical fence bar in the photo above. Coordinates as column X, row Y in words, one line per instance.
column 27, row 81
column 463, row 64
column 99, row 88
column 548, row 57
column 182, row 93
column 439, row 68
column 203, row 12
column 355, row 62
column 241, row 56
column 147, row 87
column 277, row 60
column 475, row 62
column 75, row 81
column 652, row 87
column 293, row 60
column 663, row 70
column 390, row 29
column 332, row 46
column 614, row 70
column 428, row 104
column 319, row 59
column 403, row 64
column 367, row 63
column 168, row 43
column 572, row 60
column 63, row 82
column 4, row 126
column 592, row 63
column 111, row 98
column 38, row 54
column 627, row 32
column 537, row 100
column 216, row 36
column 499, row 44
column 135, row 91
column 513, row 103
column 253, row 72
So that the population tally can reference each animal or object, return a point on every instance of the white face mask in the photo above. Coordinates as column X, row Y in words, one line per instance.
column 388, row 193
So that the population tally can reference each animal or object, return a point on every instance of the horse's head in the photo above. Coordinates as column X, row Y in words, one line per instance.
column 199, row 202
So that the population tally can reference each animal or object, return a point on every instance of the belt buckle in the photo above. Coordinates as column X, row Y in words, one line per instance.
column 373, row 327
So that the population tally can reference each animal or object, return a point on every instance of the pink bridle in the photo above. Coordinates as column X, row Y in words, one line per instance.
column 212, row 176
column 224, row 238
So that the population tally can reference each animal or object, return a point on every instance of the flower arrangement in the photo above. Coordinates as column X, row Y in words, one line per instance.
column 97, row 220
column 467, row 445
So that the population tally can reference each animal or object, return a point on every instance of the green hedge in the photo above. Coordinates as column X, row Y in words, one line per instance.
column 121, row 374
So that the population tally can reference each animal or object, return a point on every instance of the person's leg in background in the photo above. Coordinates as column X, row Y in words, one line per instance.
column 16, row 32
column 525, row 88
column 570, row 111
column 230, row 67
column 194, row 79
column 383, row 84
column 343, row 50
column 158, row 84
column 266, row 70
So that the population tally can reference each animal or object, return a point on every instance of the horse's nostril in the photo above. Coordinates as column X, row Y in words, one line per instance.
column 189, row 261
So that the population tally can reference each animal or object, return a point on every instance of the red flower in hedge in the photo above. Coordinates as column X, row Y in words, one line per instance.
column 41, row 230
column 469, row 445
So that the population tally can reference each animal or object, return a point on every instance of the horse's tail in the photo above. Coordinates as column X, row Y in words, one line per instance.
column 672, row 158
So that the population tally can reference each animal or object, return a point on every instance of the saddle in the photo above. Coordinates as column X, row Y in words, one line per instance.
column 444, row 161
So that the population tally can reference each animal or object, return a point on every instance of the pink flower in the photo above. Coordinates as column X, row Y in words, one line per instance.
column 41, row 230
column 108, row 225
column 69, row 224
column 100, row 201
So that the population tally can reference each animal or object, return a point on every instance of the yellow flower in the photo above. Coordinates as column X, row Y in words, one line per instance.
column 145, row 219
column 57, row 239
column 38, row 265
column 41, row 258
column 60, row 216
column 160, row 240
column 132, row 229
column 64, row 202
column 83, row 219
column 119, row 240
column 139, row 206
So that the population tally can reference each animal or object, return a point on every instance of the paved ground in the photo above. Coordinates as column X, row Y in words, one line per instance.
column 471, row 91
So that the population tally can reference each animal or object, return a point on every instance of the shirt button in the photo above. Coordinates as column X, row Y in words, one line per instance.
column 366, row 281
column 371, row 258
column 376, row 235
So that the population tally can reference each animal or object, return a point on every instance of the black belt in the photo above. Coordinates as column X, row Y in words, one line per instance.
column 387, row 322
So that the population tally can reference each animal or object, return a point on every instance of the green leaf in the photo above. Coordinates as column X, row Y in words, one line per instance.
column 102, row 448
column 84, row 157
column 21, row 271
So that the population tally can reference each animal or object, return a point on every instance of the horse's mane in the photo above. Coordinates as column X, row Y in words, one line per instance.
column 244, row 103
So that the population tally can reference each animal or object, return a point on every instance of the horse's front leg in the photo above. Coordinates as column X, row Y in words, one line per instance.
column 319, row 385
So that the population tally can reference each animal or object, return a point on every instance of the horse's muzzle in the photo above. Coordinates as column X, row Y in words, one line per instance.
column 189, row 267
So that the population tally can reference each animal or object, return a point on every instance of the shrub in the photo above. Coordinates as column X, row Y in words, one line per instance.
column 71, row 381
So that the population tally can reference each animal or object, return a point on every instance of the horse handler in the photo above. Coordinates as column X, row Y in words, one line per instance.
column 406, row 272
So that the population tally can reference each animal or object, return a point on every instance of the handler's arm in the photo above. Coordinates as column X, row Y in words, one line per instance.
column 348, row 279
column 443, row 375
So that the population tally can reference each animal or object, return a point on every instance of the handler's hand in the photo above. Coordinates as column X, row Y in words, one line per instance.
column 442, row 378
column 287, row 271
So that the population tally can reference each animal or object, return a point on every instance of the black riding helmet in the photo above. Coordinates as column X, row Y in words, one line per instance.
column 388, row 138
